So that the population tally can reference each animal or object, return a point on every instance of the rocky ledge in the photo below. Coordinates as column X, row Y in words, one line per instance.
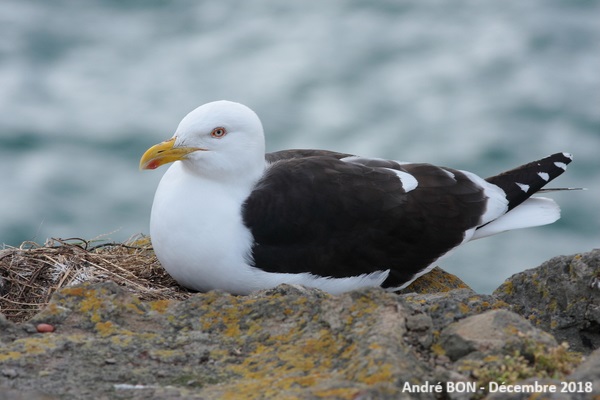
column 97, row 341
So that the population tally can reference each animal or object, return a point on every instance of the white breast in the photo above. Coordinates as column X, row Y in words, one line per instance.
column 197, row 231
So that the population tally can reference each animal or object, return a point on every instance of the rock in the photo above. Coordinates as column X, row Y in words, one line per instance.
column 435, row 281
column 286, row 341
column 499, row 348
column 7, row 327
column 9, row 372
column 294, row 342
column 448, row 307
column 562, row 296
column 491, row 332
column 582, row 384
column 10, row 394
column 588, row 375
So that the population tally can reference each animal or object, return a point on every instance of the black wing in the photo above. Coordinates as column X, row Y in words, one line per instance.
column 314, row 212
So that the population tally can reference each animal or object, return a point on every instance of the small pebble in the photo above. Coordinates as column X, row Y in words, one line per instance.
column 44, row 328
column 9, row 373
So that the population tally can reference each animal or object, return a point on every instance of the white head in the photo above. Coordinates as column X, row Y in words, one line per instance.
column 218, row 140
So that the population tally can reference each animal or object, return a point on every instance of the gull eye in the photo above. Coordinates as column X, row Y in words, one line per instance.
column 218, row 132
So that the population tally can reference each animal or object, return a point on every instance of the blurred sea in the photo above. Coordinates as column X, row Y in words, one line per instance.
column 87, row 87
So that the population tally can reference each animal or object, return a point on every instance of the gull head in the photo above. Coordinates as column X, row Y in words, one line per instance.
column 217, row 140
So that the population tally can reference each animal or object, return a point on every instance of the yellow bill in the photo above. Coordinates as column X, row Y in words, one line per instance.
column 164, row 153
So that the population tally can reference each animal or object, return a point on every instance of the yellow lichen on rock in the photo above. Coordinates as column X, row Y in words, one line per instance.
column 287, row 342
column 27, row 347
column 294, row 357
column 160, row 306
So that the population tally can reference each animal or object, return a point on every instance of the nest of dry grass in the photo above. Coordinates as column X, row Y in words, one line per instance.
column 31, row 273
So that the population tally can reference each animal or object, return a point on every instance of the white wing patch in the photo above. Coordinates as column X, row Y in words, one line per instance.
column 361, row 160
column 408, row 181
column 544, row 176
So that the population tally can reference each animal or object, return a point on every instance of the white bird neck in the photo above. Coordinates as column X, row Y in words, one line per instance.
column 241, row 181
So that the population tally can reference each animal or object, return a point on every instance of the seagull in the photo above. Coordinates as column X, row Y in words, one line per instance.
column 226, row 216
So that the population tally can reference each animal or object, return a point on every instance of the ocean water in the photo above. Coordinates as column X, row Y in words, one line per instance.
column 87, row 87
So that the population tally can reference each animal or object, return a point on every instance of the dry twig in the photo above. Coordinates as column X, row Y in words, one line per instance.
column 30, row 273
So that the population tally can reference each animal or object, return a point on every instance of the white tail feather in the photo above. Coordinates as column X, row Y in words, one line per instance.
column 534, row 211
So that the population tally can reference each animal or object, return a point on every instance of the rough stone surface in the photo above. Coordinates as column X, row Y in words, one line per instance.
column 448, row 307
column 435, row 281
column 492, row 332
column 288, row 342
column 582, row 384
column 589, row 371
column 562, row 296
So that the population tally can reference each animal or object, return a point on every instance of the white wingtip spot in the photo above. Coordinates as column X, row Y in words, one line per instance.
column 561, row 165
column 544, row 176
column 523, row 186
column 568, row 155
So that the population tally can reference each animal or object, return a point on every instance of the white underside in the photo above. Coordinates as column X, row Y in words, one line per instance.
column 331, row 285
column 535, row 211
